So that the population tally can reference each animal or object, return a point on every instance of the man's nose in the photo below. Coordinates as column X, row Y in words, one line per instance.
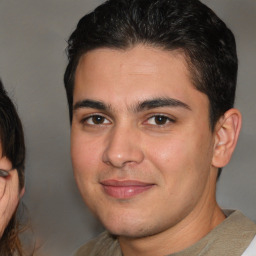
column 123, row 147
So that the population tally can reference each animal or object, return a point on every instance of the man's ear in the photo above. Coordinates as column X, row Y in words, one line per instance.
column 22, row 192
column 226, row 135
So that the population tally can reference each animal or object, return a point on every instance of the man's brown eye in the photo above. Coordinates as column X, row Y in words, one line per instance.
column 98, row 119
column 160, row 120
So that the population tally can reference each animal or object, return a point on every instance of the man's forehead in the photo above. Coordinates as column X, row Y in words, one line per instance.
column 135, row 64
column 144, row 57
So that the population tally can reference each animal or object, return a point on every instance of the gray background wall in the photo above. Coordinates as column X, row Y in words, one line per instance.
column 33, row 36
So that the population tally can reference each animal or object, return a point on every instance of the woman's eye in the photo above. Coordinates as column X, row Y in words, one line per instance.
column 159, row 120
column 96, row 120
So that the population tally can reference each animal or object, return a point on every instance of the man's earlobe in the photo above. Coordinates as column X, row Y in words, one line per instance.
column 226, row 136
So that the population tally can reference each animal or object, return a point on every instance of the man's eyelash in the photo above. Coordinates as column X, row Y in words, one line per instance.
column 85, row 119
column 162, row 120
column 163, row 116
column 98, row 119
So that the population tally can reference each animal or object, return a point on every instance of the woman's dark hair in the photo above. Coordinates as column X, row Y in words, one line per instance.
column 13, row 148
column 184, row 25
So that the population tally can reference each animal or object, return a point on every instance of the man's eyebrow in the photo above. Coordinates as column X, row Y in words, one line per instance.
column 160, row 102
column 144, row 105
column 90, row 104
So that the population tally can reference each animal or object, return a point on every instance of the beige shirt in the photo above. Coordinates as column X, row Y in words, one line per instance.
column 230, row 238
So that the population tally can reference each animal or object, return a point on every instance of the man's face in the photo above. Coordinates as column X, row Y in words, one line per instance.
column 141, row 142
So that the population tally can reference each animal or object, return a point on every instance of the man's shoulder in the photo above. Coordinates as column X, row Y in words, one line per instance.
column 103, row 245
column 238, row 222
column 232, row 236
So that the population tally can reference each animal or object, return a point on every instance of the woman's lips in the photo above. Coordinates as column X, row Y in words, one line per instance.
column 124, row 189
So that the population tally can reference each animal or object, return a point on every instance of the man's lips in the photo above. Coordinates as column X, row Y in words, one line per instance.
column 124, row 189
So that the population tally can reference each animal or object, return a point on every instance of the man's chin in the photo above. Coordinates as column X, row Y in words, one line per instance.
column 129, row 230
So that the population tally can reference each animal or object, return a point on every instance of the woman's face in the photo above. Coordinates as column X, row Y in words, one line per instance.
column 9, row 192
